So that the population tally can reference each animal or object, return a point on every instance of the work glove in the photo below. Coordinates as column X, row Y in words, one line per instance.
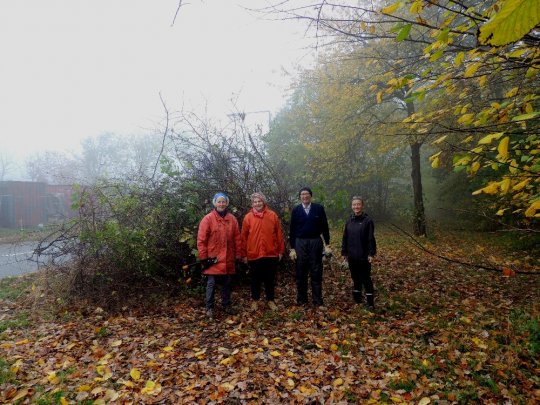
column 292, row 254
column 327, row 251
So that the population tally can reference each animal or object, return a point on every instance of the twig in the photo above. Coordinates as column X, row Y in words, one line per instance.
column 176, row 13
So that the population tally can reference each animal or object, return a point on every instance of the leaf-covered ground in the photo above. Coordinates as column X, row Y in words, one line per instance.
column 441, row 333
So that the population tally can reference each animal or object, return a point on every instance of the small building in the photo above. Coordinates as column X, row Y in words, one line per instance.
column 27, row 204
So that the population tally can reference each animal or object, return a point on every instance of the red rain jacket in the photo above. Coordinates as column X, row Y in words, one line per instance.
column 219, row 237
column 262, row 237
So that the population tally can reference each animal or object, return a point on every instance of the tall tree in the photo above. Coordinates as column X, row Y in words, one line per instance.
column 467, row 51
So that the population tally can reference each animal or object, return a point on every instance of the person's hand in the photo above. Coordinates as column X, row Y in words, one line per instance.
column 292, row 254
column 279, row 257
column 244, row 260
column 370, row 259
column 327, row 251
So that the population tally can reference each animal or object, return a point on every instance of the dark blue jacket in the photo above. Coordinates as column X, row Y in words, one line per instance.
column 308, row 226
column 359, row 238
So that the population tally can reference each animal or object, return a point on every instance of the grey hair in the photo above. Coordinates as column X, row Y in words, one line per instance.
column 357, row 197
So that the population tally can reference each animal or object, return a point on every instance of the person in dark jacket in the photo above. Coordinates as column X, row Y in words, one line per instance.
column 359, row 248
column 308, row 223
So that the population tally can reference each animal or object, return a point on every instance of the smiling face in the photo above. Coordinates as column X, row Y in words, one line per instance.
column 257, row 204
column 305, row 197
column 221, row 204
column 357, row 206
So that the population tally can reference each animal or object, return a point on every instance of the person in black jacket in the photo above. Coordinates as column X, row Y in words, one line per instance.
column 359, row 248
column 308, row 223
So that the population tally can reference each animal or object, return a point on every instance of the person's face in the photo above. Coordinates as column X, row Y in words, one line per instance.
column 257, row 204
column 357, row 206
column 305, row 197
column 221, row 204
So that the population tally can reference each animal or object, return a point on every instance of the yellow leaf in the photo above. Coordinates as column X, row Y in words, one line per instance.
column 135, row 374
column 474, row 167
column 426, row 363
column 500, row 213
column 486, row 140
column 424, row 401
column 290, row 383
column 83, row 388
column 275, row 353
column 53, row 378
column 512, row 92
column 482, row 80
column 333, row 347
column 435, row 163
column 478, row 342
column 505, row 185
column 392, row 8
column 466, row 118
column 439, row 140
column 472, row 69
column 338, row 382
column 503, row 147
column 529, row 108
column 104, row 371
column 491, row 188
column 513, row 21
column 168, row 349
column 63, row 401
column 520, row 185
column 149, row 387
column 227, row 361
column 227, row 386
column 531, row 211
column 116, row 343
column 459, row 59
column 379, row 97
column 416, row 7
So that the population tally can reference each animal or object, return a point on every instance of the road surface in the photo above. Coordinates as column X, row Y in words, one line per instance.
column 14, row 259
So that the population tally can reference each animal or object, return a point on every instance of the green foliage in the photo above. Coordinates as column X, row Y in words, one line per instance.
column 20, row 321
column 6, row 375
column 527, row 326
column 405, row 385
column 515, row 19
column 12, row 287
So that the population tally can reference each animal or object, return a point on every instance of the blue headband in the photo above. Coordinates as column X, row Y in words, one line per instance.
column 219, row 195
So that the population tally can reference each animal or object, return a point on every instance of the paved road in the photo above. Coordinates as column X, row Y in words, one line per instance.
column 14, row 259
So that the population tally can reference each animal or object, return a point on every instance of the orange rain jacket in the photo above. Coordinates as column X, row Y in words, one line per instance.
column 262, row 237
column 219, row 237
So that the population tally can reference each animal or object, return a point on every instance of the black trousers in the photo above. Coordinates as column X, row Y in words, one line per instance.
column 263, row 271
column 309, row 265
column 361, row 277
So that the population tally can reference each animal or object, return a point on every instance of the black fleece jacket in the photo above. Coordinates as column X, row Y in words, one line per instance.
column 359, row 238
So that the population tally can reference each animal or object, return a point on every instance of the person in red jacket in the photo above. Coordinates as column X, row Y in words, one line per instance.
column 263, row 247
column 219, row 237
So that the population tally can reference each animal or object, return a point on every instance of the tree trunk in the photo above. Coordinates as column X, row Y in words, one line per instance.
column 419, row 216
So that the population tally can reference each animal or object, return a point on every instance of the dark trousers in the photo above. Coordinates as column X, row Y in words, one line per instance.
column 361, row 276
column 263, row 270
column 309, row 265
column 225, row 282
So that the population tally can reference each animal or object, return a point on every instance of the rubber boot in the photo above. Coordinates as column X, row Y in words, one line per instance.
column 357, row 296
column 370, row 301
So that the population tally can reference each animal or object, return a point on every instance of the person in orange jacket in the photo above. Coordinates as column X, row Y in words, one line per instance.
column 262, row 247
column 219, row 237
